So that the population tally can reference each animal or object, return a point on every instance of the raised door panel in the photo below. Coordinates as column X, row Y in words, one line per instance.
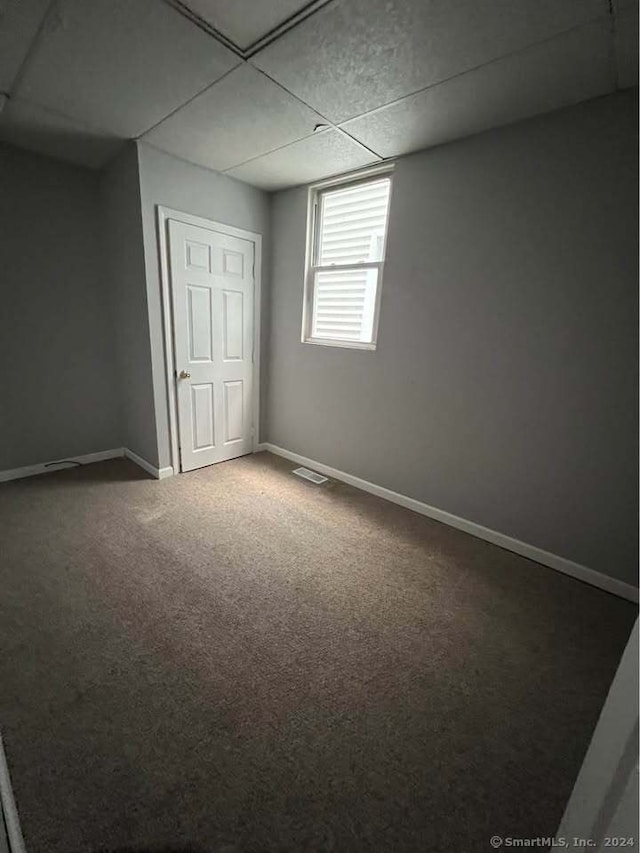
column 197, row 256
column 232, row 264
column 199, row 323
column 233, row 325
column 203, row 416
column 233, row 411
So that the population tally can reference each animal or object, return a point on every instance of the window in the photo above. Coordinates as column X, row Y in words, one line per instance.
column 348, row 227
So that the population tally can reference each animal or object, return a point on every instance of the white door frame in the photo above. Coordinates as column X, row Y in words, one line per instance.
column 163, row 215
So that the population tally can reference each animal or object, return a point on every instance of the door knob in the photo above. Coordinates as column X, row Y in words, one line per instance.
column 184, row 375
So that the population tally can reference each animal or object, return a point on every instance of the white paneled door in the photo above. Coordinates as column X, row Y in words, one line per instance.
column 212, row 282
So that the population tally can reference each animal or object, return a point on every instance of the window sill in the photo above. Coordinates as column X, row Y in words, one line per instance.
column 341, row 344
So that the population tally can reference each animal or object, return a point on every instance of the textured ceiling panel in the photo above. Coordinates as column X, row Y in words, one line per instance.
column 19, row 21
column 626, row 46
column 568, row 69
column 355, row 55
column 239, row 118
column 36, row 129
column 121, row 64
column 326, row 153
column 245, row 21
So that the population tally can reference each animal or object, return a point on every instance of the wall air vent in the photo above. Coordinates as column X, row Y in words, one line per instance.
column 306, row 474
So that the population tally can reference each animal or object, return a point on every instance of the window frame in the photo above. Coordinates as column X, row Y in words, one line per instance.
column 314, row 201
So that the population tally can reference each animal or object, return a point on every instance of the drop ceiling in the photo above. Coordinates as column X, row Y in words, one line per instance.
column 283, row 92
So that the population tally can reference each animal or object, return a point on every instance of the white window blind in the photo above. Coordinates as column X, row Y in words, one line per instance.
column 347, row 259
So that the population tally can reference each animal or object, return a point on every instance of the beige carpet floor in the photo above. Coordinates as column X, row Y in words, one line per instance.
column 236, row 660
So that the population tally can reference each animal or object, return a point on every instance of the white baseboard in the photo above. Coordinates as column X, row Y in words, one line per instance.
column 158, row 473
column 8, row 809
column 85, row 459
column 531, row 552
column 59, row 464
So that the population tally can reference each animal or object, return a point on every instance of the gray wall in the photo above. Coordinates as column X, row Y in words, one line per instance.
column 124, row 264
column 168, row 181
column 59, row 394
column 504, row 386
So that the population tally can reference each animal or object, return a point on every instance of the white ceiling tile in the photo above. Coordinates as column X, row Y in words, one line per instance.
column 563, row 71
column 355, row 55
column 245, row 21
column 121, row 64
column 326, row 153
column 242, row 116
column 19, row 22
column 36, row 129
column 626, row 42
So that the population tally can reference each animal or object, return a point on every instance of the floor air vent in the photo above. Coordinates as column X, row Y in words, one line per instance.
column 306, row 474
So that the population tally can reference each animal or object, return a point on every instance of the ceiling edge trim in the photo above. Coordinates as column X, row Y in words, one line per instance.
column 199, row 22
column 286, row 25
column 256, row 46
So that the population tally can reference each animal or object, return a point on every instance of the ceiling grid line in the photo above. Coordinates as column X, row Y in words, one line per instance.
column 205, row 26
column 239, row 87
column 328, row 121
column 291, row 22
column 341, row 129
column 301, row 139
column 475, row 68
column 32, row 47
column 189, row 101
column 259, row 44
